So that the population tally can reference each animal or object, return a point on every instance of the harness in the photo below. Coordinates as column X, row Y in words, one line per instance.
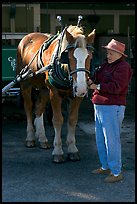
column 57, row 75
column 44, row 47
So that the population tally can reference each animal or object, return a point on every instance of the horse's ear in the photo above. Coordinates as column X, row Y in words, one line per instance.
column 69, row 37
column 90, row 37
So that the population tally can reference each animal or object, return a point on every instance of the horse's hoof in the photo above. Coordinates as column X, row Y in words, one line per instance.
column 30, row 144
column 73, row 156
column 58, row 158
column 44, row 145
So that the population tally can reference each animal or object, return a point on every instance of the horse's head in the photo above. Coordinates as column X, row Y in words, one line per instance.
column 79, row 58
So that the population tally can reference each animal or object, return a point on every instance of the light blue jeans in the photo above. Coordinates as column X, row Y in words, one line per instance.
column 108, row 121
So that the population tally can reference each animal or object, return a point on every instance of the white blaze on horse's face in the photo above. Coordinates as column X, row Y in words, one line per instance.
column 81, row 55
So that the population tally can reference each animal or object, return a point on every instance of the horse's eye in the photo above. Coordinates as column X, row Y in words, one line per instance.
column 90, row 55
column 90, row 48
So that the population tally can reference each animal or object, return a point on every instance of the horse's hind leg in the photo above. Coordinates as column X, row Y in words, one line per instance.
column 26, row 93
column 42, row 100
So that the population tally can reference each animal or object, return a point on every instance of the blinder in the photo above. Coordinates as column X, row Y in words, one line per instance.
column 64, row 55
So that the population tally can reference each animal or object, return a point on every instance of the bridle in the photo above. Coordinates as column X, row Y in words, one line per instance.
column 70, row 46
column 62, row 58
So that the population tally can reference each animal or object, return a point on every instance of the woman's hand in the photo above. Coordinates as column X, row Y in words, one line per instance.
column 89, row 81
column 93, row 86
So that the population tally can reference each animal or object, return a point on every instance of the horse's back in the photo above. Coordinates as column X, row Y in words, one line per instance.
column 28, row 47
column 33, row 38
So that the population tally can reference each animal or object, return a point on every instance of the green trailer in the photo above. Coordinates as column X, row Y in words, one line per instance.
column 9, row 70
column 8, row 63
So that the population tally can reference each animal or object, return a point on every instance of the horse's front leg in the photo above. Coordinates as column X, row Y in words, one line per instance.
column 57, row 120
column 73, row 153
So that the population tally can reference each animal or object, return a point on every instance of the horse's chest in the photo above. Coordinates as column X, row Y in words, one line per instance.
column 38, row 81
column 63, row 94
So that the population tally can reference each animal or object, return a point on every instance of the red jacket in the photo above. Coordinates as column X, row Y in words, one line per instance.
column 114, row 79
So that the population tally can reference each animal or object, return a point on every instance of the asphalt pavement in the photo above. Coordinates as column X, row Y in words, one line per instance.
column 29, row 175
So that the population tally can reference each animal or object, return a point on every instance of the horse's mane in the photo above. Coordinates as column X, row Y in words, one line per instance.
column 78, row 34
column 75, row 30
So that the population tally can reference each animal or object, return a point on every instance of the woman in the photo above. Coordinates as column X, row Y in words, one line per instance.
column 109, row 98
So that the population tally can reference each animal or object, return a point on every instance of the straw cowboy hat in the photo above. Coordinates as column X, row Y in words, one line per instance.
column 116, row 46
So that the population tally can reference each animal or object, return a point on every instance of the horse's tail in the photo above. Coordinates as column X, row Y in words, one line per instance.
column 19, row 64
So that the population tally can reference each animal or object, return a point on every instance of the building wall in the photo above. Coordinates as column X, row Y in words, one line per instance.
column 106, row 18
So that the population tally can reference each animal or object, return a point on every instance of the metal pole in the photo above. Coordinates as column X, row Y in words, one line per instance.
column 7, row 87
column 24, row 76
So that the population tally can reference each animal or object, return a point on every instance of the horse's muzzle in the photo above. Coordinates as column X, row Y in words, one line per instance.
column 79, row 92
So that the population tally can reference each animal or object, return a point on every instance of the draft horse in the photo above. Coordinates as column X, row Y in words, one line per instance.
column 68, row 58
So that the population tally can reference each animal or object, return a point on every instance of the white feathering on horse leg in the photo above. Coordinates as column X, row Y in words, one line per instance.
column 40, row 130
column 71, row 140
column 57, row 142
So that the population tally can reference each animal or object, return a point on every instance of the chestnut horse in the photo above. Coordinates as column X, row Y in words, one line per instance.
column 68, row 58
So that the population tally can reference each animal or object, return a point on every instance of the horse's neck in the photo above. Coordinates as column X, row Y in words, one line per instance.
column 64, row 44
